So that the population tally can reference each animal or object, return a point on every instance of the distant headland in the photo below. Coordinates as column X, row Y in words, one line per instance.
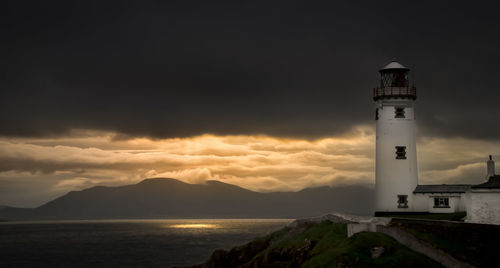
column 170, row 198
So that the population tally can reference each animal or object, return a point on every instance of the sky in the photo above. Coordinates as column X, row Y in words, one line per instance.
column 267, row 95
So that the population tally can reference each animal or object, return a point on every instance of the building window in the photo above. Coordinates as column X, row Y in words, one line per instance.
column 441, row 202
column 376, row 114
column 400, row 152
column 399, row 112
column 402, row 201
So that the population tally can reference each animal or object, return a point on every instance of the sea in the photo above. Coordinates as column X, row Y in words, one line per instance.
column 125, row 243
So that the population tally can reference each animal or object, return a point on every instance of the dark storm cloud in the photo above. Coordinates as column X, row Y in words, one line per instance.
column 285, row 68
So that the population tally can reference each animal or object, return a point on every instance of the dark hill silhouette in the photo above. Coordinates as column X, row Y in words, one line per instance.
column 170, row 198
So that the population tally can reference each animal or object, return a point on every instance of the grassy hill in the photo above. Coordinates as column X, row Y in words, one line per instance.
column 325, row 244
column 319, row 245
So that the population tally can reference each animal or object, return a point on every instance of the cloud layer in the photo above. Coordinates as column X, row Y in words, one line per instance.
column 34, row 170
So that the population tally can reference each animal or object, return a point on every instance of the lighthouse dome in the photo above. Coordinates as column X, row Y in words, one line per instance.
column 394, row 65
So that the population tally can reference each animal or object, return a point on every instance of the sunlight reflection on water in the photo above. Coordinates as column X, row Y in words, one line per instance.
column 194, row 226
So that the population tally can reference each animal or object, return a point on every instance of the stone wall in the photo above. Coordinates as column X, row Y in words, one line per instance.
column 484, row 207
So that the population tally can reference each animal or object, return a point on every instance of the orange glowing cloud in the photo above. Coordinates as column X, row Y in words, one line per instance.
column 53, row 166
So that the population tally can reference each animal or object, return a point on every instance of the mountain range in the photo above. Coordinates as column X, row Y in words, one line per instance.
column 170, row 198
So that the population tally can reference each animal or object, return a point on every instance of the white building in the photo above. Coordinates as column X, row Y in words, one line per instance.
column 396, row 175
column 483, row 200
column 396, row 154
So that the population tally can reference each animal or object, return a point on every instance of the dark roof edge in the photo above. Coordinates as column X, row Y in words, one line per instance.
column 492, row 183
column 441, row 188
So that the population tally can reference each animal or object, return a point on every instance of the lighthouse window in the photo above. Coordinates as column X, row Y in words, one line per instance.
column 399, row 112
column 376, row 114
column 400, row 152
column 402, row 201
column 386, row 80
column 441, row 202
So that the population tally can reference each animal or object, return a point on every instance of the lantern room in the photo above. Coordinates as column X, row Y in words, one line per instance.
column 394, row 83
column 394, row 75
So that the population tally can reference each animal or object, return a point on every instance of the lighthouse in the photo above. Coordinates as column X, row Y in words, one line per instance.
column 396, row 155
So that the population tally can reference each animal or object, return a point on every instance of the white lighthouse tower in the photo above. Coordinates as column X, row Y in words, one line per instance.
column 396, row 156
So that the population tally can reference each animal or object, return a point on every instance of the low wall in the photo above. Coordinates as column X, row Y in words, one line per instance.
column 354, row 228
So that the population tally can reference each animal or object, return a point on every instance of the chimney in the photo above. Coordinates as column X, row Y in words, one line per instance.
column 491, row 168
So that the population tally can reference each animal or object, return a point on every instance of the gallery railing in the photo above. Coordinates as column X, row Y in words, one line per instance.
column 394, row 92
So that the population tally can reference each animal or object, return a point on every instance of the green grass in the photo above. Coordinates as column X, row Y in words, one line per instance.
column 355, row 252
column 324, row 230
column 326, row 244
column 329, row 246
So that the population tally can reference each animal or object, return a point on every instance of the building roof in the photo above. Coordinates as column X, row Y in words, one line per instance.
column 492, row 183
column 394, row 65
column 442, row 188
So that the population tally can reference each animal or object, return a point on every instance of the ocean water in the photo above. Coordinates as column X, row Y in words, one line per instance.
column 125, row 243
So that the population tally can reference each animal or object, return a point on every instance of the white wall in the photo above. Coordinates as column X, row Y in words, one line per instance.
column 463, row 203
column 354, row 228
column 484, row 206
column 425, row 202
column 453, row 200
column 393, row 176
column 421, row 202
